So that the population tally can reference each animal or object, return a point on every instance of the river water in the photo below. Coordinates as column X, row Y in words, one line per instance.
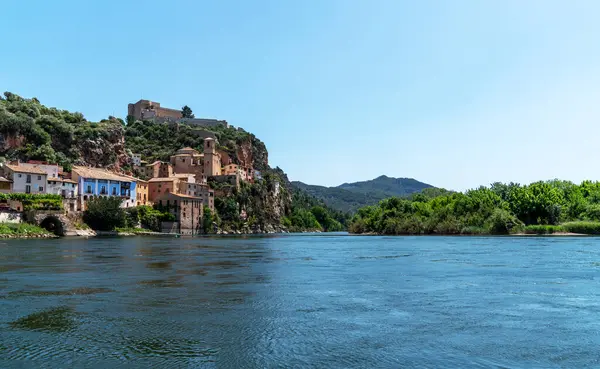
column 318, row 301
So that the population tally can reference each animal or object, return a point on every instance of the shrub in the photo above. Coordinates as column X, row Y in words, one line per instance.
column 582, row 227
column 542, row 229
column 21, row 229
column 502, row 222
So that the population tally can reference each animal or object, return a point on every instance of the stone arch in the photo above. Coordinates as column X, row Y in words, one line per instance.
column 53, row 224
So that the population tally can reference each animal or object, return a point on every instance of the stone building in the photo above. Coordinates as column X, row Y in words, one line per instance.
column 160, row 186
column 188, row 212
column 158, row 169
column 188, row 160
column 146, row 109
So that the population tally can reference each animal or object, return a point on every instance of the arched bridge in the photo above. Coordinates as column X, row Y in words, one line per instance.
column 53, row 221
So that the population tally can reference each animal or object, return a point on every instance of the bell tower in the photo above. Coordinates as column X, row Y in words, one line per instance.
column 212, row 161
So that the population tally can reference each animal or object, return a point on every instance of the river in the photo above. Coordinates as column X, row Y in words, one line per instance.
column 318, row 301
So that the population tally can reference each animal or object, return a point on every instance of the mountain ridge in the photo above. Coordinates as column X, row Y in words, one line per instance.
column 348, row 197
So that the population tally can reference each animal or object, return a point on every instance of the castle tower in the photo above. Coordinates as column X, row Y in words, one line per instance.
column 212, row 161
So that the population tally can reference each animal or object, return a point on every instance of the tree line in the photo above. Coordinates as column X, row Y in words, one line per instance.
column 540, row 207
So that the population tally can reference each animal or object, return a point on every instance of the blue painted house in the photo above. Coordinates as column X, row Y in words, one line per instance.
column 93, row 182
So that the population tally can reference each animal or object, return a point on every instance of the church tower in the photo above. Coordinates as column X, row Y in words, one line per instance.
column 212, row 161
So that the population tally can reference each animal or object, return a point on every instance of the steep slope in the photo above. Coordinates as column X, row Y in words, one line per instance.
column 348, row 197
column 32, row 131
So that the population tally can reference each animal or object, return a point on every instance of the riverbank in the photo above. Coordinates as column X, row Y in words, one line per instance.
column 23, row 230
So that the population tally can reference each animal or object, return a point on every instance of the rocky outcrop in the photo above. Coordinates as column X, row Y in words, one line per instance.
column 107, row 150
column 10, row 141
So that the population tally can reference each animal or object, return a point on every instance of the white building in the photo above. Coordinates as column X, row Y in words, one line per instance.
column 137, row 159
column 26, row 179
column 67, row 188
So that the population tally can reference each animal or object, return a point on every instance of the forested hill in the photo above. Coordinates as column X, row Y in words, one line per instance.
column 348, row 197
column 30, row 130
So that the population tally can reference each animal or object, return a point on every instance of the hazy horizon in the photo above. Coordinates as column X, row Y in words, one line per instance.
column 456, row 95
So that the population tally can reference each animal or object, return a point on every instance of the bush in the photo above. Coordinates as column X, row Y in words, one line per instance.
column 105, row 214
column 21, row 229
column 542, row 229
column 582, row 227
column 502, row 222
column 35, row 201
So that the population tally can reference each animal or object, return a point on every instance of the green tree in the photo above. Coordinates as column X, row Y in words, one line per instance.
column 186, row 112
column 105, row 213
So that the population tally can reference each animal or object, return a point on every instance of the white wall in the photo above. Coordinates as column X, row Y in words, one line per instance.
column 20, row 182
column 10, row 217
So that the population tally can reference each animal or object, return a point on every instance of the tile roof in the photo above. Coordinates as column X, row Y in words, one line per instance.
column 179, row 195
column 25, row 169
column 163, row 179
column 2, row 179
column 98, row 173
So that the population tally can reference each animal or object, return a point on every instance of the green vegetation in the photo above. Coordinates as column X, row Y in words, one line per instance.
column 147, row 217
column 349, row 197
column 131, row 230
column 539, row 208
column 34, row 131
column 158, row 141
column 21, row 229
column 35, row 201
column 186, row 112
column 105, row 214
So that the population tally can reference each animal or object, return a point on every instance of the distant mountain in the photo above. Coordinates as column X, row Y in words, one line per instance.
column 351, row 196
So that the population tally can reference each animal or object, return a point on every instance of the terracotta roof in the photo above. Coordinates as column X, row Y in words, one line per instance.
column 134, row 178
column 179, row 195
column 67, row 180
column 98, row 173
column 25, row 169
column 2, row 179
column 163, row 179
column 183, row 175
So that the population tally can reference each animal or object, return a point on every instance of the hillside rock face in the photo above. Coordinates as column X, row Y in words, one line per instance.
column 11, row 141
column 105, row 151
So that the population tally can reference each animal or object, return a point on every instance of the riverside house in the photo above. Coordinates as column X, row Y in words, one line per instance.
column 26, row 179
column 93, row 182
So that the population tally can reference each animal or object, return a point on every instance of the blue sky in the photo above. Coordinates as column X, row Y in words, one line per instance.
column 453, row 93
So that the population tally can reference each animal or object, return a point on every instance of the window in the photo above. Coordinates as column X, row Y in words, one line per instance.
column 20, row 175
column 89, row 189
column 28, row 180
column 28, row 189
column 114, row 191
column 103, row 190
column 41, row 189
column 39, row 178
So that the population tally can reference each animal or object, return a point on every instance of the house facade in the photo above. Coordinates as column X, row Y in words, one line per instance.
column 188, row 212
column 26, row 179
column 93, row 182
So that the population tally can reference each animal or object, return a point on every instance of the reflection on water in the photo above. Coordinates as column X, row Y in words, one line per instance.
column 317, row 301
column 58, row 319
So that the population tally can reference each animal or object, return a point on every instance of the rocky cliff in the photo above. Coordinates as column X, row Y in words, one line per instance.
column 32, row 131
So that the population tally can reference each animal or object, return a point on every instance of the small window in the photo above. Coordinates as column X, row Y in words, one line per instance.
column 20, row 175
column 39, row 178
column 41, row 189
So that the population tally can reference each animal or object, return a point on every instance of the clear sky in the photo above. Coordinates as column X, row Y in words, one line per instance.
column 453, row 93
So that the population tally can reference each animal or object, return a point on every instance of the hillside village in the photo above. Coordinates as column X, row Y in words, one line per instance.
column 182, row 185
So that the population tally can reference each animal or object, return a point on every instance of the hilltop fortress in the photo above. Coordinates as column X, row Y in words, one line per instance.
column 151, row 110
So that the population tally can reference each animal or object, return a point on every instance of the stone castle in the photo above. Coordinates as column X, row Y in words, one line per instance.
column 151, row 110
